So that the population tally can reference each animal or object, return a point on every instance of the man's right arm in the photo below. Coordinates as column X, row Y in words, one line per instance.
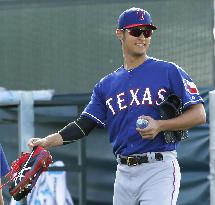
column 46, row 142
column 70, row 133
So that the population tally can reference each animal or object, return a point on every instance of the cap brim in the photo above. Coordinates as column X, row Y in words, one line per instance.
column 148, row 25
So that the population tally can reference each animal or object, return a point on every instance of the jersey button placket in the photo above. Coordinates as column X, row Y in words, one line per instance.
column 130, row 145
column 130, row 75
column 130, row 84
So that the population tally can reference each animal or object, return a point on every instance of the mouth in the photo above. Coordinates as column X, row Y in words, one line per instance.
column 140, row 45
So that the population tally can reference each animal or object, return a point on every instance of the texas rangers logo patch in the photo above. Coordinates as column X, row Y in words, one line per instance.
column 190, row 87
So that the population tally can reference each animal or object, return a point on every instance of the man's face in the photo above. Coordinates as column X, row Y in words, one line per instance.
column 136, row 40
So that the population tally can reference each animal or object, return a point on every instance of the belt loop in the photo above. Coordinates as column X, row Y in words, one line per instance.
column 151, row 157
column 118, row 159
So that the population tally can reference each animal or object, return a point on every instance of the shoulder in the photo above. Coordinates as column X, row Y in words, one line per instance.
column 109, row 77
column 104, row 82
column 169, row 65
column 176, row 69
column 162, row 63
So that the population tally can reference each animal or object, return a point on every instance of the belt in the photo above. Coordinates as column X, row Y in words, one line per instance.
column 138, row 159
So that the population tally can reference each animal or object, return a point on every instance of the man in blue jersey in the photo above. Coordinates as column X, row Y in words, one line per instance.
column 148, row 172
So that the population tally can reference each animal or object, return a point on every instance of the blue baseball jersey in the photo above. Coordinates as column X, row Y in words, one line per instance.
column 122, row 96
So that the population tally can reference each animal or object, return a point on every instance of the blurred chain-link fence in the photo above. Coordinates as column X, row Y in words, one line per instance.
column 68, row 45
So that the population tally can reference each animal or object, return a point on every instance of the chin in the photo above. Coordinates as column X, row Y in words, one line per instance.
column 139, row 54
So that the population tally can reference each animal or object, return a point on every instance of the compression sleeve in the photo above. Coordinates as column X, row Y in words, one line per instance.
column 77, row 129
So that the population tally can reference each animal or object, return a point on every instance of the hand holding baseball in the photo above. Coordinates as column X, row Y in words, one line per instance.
column 149, row 131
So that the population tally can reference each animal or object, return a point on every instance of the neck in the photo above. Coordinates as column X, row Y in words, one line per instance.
column 134, row 61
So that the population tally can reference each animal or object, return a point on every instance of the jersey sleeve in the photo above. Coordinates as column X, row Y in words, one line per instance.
column 182, row 85
column 96, row 108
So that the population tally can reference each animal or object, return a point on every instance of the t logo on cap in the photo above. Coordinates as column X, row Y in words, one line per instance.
column 141, row 14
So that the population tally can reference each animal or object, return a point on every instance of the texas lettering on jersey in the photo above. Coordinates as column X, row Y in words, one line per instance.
column 138, row 97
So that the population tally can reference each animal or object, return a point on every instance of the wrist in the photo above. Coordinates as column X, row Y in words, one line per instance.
column 53, row 140
column 161, row 125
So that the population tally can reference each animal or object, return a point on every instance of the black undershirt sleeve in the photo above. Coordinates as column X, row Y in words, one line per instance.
column 77, row 129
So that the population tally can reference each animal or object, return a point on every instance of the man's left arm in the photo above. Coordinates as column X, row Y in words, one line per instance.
column 194, row 115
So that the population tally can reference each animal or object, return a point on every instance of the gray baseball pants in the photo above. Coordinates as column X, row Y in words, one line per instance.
column 152, row 183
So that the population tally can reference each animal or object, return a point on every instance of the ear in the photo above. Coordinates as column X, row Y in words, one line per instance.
column 119, row 34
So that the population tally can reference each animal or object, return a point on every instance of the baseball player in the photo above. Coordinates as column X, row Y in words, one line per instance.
column 147, row 172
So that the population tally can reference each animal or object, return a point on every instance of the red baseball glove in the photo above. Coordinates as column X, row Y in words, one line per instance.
column 26, row 170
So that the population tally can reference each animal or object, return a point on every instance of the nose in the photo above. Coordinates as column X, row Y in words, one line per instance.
column 141, row 35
